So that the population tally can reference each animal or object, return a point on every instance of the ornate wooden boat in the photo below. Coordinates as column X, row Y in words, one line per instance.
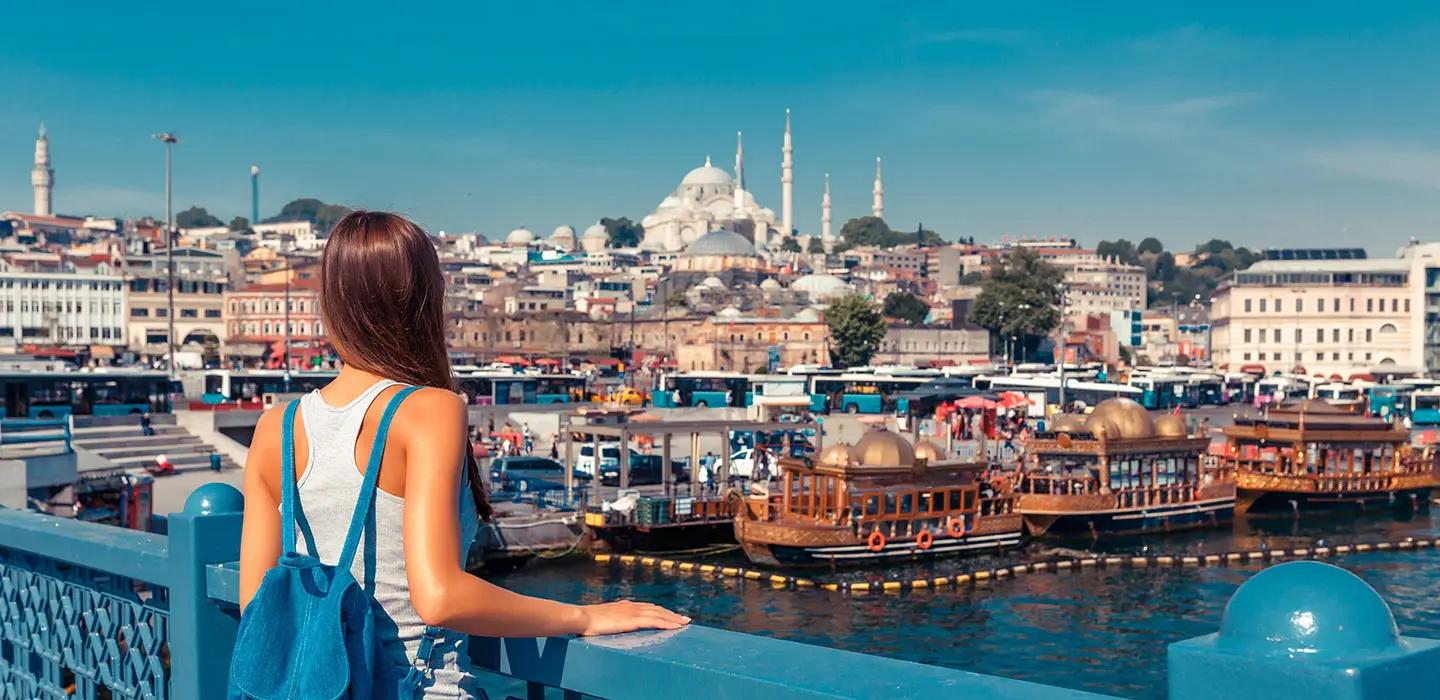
column 1120, row 471
column 879, row 501
column 1309, row 455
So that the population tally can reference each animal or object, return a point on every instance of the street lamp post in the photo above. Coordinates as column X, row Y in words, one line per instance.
column 169, row 139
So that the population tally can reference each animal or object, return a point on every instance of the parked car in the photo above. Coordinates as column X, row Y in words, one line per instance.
column 644, row 469
column 609, row 457
column 527, row 474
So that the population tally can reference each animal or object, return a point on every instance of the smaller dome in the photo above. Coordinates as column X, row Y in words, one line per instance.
column 595, row 238
column 820, row 285
column 520, row 236
column 807, row 315
column 929, row 451
column 882, row 448
column 1170, row 425
column 596, row 230
column 769, row 284
column 838, row 456
column 1308, row 609
column 1121, row 419
column 713, row 282
column 729, row 312
column 1067, row 423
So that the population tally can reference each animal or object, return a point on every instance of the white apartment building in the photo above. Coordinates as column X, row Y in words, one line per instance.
column 62, row 307
column 293, row 235
column 1099, row 287
column 1319, row 317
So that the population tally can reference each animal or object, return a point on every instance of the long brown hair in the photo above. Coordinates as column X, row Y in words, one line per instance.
column 382, row 299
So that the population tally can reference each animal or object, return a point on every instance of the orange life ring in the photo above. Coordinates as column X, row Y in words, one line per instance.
column 876, row 541
column 956, row 527
column 924, row 539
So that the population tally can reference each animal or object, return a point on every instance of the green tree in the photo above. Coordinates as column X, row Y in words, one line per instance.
column 676, row 297
column 856, row 329
column 1020, row 298
column 906, row 307
column 196, row 217
column 873, row 231
column 321, row 214
column 239, row 223
column 790, row 245
column 815, row 247
column 1150, row 245
column 1122, row 250
column 623, row 232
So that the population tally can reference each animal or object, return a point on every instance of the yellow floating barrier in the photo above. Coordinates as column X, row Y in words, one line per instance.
column 890, row 586
column 919, row 583
column 940, row 581
column 1139, row 562
column 729, row 571
column 804, row 583
column 752, row 575
column 686, row 566
column 859, row 588
column 602, row 558
column 627, row 559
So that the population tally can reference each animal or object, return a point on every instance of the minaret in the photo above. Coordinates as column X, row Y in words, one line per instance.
column 825, row 238
column 42, row 177
column 739, row 171
column 787, row 182
column 878, row 208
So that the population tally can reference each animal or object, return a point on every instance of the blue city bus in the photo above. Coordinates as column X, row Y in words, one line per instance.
column 1386, row 400
column 100, row 393
column 1206, row 389
column 500, row 388
column 1163, row 391
column 1425, row 408
column 703, row 390
column 862, row 393
column 246, row 386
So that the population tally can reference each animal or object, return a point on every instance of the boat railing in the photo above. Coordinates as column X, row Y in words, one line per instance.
column 1155, row 496
column 91, row 611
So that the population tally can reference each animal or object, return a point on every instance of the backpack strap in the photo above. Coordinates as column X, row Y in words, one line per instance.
column 289, row 491
column 366, row 500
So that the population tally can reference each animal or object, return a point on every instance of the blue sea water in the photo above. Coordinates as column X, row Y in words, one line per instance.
column 1103, row 630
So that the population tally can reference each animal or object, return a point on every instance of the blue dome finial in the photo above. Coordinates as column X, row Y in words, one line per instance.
column 1308, row 608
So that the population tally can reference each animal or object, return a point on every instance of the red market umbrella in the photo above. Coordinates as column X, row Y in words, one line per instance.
column 513, row 360
column 1011, row 399
column 975, row 403
column 547, row 362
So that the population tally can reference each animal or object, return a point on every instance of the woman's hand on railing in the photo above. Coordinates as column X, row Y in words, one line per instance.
column 627, row 616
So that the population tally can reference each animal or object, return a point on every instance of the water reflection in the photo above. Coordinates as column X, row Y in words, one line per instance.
column 1095, row 629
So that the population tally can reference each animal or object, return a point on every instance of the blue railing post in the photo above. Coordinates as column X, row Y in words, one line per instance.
column 207, row 531
column 1304, row 630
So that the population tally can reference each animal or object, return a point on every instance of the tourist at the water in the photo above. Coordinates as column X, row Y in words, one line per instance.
column 382, row 302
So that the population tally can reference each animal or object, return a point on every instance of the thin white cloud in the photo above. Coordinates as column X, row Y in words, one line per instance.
column 1412, row 167
column 1148, row 120
column 992, row 36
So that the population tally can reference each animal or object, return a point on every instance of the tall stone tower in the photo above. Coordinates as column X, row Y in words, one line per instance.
column 42, row 177
column 826, row 239
column 878, row 208
column 787, row 182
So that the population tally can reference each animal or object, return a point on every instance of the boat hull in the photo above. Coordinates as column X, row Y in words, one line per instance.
column 782, row 545
column 640, row 538
column 1263, row 502
column 1097, row 514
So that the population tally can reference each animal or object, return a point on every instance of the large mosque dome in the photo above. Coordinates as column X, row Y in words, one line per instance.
column 722, row 243
column 563, row 238
column 594, row 238
column 707, row 174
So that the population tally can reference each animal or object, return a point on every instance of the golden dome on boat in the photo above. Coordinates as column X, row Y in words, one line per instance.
column 882, row 448
column 929, row 451
column 1067, row 423
column 1170, row 425
column 1120, row 418
column 838, row 456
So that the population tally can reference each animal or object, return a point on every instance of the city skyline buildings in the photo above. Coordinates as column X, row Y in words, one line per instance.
column 1183, row 124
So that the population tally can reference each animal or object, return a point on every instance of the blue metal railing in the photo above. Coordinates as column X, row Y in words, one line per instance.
column 27, row 431
column 90, row 610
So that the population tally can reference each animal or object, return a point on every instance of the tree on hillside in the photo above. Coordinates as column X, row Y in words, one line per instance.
column 196, row 217
column 873, row 231
column 815, row 247
column 856, row 329
column 239, row 223
column 790, row 245
column 1122, row 250
column 623, row 232
column 906, row 307
column 321, row 214
column 1150, row 245
column 1020, row 298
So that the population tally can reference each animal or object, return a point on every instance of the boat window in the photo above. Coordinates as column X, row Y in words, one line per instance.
column 872, row 505
column 937, row 501
column 955, row 500
column 890, row 504
column 907, row 503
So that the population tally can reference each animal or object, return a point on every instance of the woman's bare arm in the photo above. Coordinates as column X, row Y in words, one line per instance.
column 260, row 538
column 432, row 427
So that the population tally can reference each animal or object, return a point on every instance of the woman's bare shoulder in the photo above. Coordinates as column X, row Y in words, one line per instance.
column 432, row 407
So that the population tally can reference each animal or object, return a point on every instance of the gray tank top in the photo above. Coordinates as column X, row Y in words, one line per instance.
column 328, row 491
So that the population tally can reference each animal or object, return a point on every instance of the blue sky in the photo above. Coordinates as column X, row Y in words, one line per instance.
column 1274, row 124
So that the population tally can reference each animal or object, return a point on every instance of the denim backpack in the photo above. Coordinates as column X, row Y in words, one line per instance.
column 309, row 632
